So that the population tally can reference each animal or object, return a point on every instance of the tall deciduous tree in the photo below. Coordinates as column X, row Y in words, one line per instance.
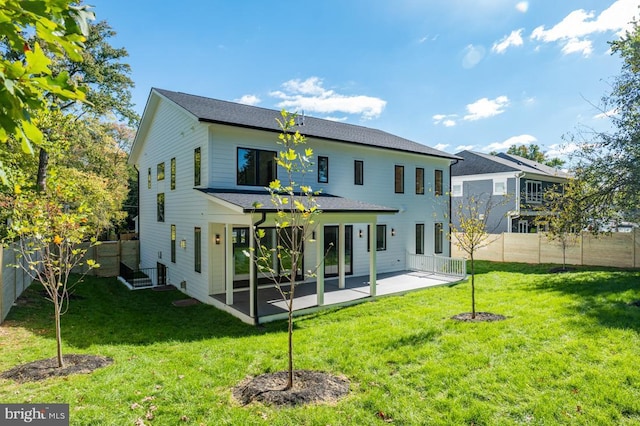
column 535, row 153
column 296, row 211
column 61, row 26
column 609, row 162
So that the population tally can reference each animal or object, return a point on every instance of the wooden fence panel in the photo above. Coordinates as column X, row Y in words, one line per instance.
column 615, row 249
column 551, row 251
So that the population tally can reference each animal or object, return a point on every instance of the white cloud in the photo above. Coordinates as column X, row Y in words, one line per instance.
column 464, row 148
column 447, row 120
column 561, row 150
column 249, row 100
column 513, row 39
column 576, row 45
column 606, row 114
column 310, row 96
column 472, row 55
column 441, row 146
column 514, row 140
column 522, row 6
column 485, row 108
column 573, row 30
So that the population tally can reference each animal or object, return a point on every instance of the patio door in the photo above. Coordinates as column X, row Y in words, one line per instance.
column 162, row 273
column 331, row 249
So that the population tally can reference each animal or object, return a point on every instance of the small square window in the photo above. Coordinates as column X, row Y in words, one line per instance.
column 456, row 190
column 499, row 187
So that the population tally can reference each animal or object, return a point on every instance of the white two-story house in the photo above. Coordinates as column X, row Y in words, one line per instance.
column 204, row 162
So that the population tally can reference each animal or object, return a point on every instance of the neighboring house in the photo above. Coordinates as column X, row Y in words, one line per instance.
column 204, row 162
column 517, row 186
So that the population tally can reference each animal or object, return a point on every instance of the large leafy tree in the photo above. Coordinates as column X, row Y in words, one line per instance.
column 61, row 27
column 609, row 162
column 535, row 153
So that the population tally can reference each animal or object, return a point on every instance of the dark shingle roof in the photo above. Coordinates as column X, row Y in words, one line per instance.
column 231, row 113
column 326, row 202
column 476, row 163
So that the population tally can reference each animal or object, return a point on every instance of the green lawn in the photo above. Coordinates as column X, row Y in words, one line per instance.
column 568, row 353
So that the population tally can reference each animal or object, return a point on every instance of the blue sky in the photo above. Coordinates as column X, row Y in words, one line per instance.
column 450, row 74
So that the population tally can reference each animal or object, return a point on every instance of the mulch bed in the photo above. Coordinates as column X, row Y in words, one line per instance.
column 45, row 368
column 561, row 270
column 480, row 316
column 185, row 302
column 309, row 387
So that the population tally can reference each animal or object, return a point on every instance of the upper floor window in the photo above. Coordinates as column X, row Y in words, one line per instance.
column 419, row 180
column 534, row 191
column 456, row 190
column 499, row 187
column 160, row 175
column 399, row 179
column 197, row 163
column 358, row 168
column 323, row 169
column 438, row 183
column 256, row 167
column 173, row 173
column 160, row 207
column 149, row 178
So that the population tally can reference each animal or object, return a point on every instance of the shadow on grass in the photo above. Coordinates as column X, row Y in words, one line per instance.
column 106, row 312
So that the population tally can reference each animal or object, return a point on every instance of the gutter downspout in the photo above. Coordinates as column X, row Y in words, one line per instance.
column 256, row 320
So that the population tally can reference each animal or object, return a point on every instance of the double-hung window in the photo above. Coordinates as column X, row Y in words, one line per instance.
column 160, row 207
column 197, row 166
column 419, row 238
column 438, row 186
column 160, row 175
column 256, row 167
column 399, row 179
column 534, row 191
column 438, row 233
column 419, row 180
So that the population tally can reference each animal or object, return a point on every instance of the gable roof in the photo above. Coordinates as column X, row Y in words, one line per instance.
column 476, row 163
column 230, row 113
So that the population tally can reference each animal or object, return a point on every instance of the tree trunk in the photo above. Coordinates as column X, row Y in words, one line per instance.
column 290, row 329
column 473, row 290
column 43, row 163
column 57, row 306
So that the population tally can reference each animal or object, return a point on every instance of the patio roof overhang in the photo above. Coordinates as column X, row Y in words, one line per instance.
column 259, row 201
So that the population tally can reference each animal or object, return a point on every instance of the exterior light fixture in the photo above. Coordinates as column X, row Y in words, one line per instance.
column 360, row 233
column 183, row 243
column 217, row 239
column 393, row 232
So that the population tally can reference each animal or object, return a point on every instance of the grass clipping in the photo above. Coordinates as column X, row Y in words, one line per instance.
column 309, row 387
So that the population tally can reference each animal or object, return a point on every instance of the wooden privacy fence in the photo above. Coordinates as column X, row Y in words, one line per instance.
column 617, row 249
column 109, row 254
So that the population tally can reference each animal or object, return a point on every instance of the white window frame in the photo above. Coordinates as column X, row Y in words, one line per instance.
column 533, row 196
column 496, row 183
column 456, row 192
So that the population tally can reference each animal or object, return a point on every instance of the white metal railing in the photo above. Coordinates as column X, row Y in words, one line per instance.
column 437, row 264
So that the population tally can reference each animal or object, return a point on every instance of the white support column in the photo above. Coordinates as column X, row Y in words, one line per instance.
column 320, row 263
column 341, row 256
column 372, row 256
column 253, row 286
column 229, row 263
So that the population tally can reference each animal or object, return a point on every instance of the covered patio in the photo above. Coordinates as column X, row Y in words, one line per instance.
column 272, row 307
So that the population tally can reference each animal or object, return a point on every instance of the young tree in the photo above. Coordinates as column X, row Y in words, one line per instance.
column 563, row 215
column 471, row 232
column 296, row 211
column 48, row 230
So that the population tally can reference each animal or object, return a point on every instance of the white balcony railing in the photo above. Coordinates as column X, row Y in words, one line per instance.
column 437, row 264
